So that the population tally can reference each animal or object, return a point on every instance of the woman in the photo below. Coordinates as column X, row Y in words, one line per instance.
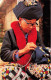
column 15, row 42
column 23, row 38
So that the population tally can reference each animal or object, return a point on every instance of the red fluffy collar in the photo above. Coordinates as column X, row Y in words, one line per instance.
column 21, row 41
column 20, row 37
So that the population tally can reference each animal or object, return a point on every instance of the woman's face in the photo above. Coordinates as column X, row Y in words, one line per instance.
column 27, row 25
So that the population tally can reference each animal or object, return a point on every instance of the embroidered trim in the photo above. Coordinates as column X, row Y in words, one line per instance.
column 17, row 55
column 14, row 55
column 30, row 2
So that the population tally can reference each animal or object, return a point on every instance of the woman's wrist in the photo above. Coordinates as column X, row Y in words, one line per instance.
column 21, row 52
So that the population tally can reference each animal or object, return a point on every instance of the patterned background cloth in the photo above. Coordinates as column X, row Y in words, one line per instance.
column 41, row 71
column 13, row 72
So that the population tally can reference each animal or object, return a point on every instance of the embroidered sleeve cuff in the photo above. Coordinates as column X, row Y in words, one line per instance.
column 15, row 52
column 17, row 55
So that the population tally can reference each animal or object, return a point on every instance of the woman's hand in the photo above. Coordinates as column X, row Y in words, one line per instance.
column 30, row 46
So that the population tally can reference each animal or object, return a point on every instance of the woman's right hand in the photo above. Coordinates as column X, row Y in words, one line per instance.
column 29, row 46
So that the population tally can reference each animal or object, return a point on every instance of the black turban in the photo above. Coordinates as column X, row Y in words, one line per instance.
column 28, row 12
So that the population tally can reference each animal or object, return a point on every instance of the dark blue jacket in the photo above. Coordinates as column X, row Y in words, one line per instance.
column 9, row 45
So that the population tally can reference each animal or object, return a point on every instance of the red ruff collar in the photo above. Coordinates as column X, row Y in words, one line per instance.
column 21, row 41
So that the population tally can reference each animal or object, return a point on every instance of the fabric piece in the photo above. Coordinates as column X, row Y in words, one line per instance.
column 40, row 55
